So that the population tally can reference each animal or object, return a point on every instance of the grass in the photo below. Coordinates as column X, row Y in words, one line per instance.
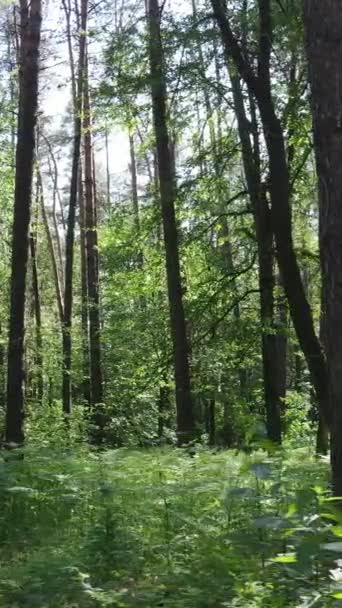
column 161, row 528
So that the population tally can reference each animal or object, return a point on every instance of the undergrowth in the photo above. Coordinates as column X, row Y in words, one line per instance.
column 163, row 528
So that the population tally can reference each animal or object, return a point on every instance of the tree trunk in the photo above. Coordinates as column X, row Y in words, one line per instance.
column 271, row 372
column 135, row 198
column 108, row 184
column 38, row 319
column 260, row 86
column 273, row 392
column 184, row 403
column 216, row 151
column 96, row 381
column 323, row 21
column 322, row 436
column 30, row 26
column 84, row 294
column 50, row 247
column 210, row 420
column 70, row 234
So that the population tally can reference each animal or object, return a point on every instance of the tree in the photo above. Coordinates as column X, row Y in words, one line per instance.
column 90, row 223
column 323, row 21
column 30, row 28
column 39, row 392
column 70, row 234
column 167, row 185
column 259, row 86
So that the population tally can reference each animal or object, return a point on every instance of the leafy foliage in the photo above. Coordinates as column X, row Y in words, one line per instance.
column 166, row 528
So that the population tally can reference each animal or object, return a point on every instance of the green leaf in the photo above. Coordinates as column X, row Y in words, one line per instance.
column 287, row 558
column 292, row 510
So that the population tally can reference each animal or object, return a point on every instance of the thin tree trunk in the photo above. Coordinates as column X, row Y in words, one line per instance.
column 281, row 326
column 215, row 149
column 54, row 178
column 38, row 318
column 11, row 34
column 322, row 437
column 108, row 184
column 84, row 294
column 56, row 229
column 70, row 234
column 323, row 21
column 68, row 12
column 184, row 403
column 96, row 380
column 30, row 27
column 2, row 369
column 273, row 393
column 210, row 420
column 260, row 86
column 135, row 201
column 51, row 248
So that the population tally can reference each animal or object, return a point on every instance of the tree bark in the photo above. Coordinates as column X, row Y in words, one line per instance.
column 108, row 180
column 323, row 21
column 96, row 380
column 135, row 198
column 184, row 402
column 70, row 234
column 51, row 248
column 38, row 318
column 259, row 86
column 84, row 294
column 273, row 390
column 30, row 27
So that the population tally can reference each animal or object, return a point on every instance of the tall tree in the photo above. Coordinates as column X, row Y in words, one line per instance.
column 96, row 380
column 50, row 244
column 84, row 294
column 323, row 22
column 70, row 234
column 38, row 316
column 30, row 28
column 274, row 368
column 259, row 86
column 167, row 186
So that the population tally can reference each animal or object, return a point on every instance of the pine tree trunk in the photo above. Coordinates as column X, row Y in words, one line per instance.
column 70, row 234
column 323, row 21
column 108, row 180
column 135, row 198
column 184, row 403
column 30, row 27
column 96, row 381
column 84, row 294
column 38, row 319
column 50, row 247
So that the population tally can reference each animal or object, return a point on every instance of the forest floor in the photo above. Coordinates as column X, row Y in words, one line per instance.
column 159, row 528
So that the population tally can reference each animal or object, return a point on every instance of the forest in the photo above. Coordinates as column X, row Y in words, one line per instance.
column 171, row 303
